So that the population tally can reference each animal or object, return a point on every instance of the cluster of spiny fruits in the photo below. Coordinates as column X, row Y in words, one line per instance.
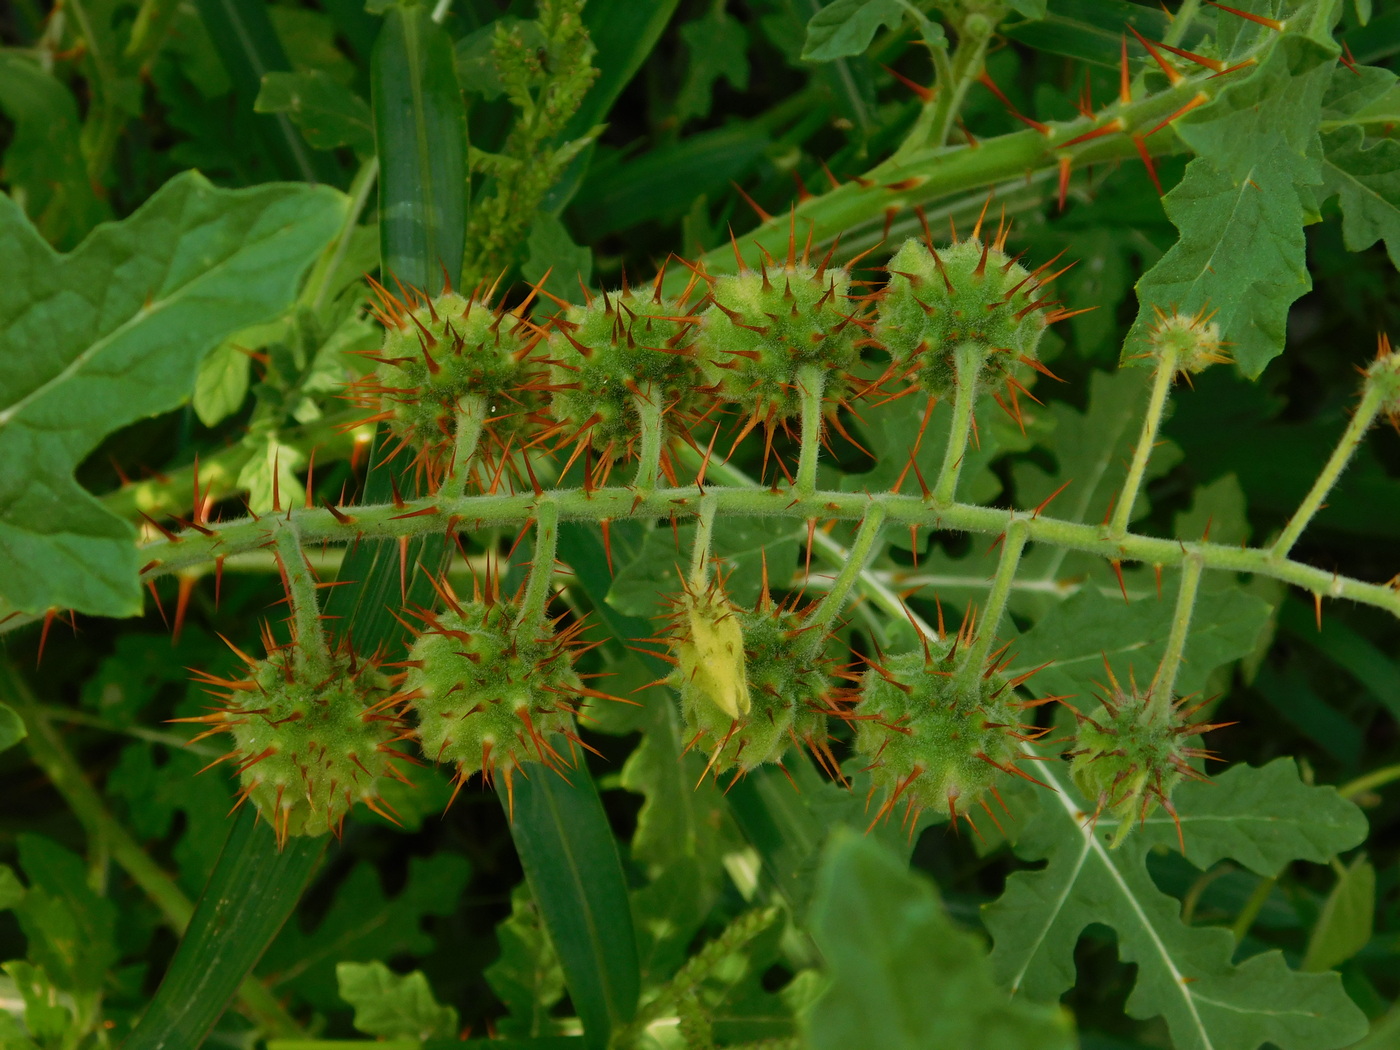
column 597, row 377
column 486, row 689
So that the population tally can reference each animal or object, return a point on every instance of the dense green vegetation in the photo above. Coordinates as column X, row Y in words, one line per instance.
column 699, row 524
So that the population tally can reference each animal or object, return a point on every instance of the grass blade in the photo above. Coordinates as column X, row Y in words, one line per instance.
column 421, row 136
column 570, row 858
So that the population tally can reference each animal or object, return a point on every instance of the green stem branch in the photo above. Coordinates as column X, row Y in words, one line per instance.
column 471, row 419
column 313, row 656
column 1164, row 681
column 975, row 658
column 431, row 515
column 969, row 358
column 1156, row 404
column 824, row 615
column 653, row 433
column 700, row 549
column 1361, row 421
column 968, row 57
column 532, row 609
column 811, row 384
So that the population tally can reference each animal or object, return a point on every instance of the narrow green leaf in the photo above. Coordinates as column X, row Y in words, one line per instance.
column 902, row 975
column 846, row 27
column 623, row 33
column 421, row 137
column 391, row 1006
column 328, row 113
column 252, row 890
column 1345, row 925
column 1184, row 973
column 124, row 321
column 570, row 858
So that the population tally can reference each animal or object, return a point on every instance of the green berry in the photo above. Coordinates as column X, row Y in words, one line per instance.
column 489, row 696
column 931, row 742
column 620, row 347
column 763, row 328
column 306, row 749
column 970, row 303
column 437, row 352
column 1130, row 754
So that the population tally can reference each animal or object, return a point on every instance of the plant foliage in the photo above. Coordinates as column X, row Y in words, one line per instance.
column 699, row 524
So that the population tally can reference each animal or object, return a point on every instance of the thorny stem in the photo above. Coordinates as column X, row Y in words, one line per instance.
column 700, row 551
column 47, row 749
column 975, row 658
column 532, row 609
column 1156, row 403
column 313, row 657
column 1361, row 421
column 653, row 437
column 925, row 176
column 811, row 383
column 432, row 514
column 471, row 418
column 1164, row 682
column 969, row 359
column 822, row 617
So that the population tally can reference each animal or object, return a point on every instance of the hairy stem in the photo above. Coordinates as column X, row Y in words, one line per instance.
column 822, row 617
column 1156, row 404
column 969, row 363
column 653, row 436
column 1164, row 681
column 975, row 658
column 431, row 515
column 471, row 418
column 811, row 383
column 968, row 56
column 532, row 609
column 313, row 656
column 47, row 749
column 1361, row 421
column 700, row 551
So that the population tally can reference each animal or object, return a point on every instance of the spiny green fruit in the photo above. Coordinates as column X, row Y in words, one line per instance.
column 489, row 695
column 1131, row 753
column 620, row 347
column 438, row 351
column 763, row 327
column 969, row 303
column 749, row 684
column 1191, row 341
column 308, row 745
column 933, row 742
